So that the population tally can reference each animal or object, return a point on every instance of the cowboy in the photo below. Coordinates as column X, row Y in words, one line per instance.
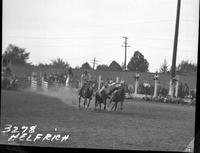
column 118, row 86
column 104, row 87
column 85, row 78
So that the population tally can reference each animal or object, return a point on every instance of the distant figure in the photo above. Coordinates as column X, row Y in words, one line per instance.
column 69, row 77
column 34, row 76
column 70, row 73
column 45, row 77
column 8, row 71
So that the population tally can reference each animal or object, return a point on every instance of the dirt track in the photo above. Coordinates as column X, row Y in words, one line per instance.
column 142, row 125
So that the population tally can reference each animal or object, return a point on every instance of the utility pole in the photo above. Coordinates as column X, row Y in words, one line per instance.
column 173, row 72
column 94, row 61
column 125, row 46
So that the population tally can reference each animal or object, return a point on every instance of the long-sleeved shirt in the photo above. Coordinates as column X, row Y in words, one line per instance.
column 85, row 78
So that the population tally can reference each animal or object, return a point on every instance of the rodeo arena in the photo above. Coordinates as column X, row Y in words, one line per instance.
column 100, row 112
column 41, row 82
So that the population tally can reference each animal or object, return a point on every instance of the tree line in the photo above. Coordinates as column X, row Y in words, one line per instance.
column 19, row 56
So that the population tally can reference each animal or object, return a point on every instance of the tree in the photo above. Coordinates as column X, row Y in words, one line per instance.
column 86, row 65
column 138, row 62
column 43, row 65
column 59, row 63
column 114, row 66
column 186, row 66
column 77, row 67
column 16, row 55
column 164, row 67
column 103, row 67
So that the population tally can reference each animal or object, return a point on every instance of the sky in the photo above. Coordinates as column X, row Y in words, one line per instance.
column 79, row 30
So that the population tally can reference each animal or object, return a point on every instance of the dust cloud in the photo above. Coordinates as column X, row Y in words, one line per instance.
column 65, row 94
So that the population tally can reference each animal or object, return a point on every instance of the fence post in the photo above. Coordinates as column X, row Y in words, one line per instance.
column 117, row 79
column 29, row 81
column 137, row 75
column 177, row 84
column 67, row 81
column 170, row 88
column 156, row 84
column 33, row 84
column 44, row 85
column 34, row 81
column 99, row 82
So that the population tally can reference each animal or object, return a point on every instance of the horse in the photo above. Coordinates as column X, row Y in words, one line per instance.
column 118, row 95
column 86, row 93
column 101, row 99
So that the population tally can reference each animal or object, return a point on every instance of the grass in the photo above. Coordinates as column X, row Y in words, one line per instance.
column 141, row 126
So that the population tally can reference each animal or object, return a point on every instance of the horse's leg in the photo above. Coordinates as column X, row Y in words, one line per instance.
column 95, row 104
column 104, row 104
column 100, row 106
column 116, row 105
column 88, row 103
column 85, row 100
column 110, row 102
column 122, row 105
column 79, row 101
column 113, row 106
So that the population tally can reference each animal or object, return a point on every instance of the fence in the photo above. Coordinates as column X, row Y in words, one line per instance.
column 44, row 85
column 40, row 84
column 34, row 84
column 24, row 82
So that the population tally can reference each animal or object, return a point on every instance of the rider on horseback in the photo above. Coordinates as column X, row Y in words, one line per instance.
column 118, row 86
column 85, row 78
column 113, row 86
column 110, row 87
column 104, row 87
column 117, row 95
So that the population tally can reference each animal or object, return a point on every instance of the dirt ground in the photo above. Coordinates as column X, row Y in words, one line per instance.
column 140, row 126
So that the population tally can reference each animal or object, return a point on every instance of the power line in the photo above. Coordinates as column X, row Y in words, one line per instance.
column 95, row 62
column 96, row 37
column 75, row 37
column 166, row 39
column 163, row 48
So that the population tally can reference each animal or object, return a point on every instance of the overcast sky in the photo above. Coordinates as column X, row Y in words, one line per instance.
column 79, row 30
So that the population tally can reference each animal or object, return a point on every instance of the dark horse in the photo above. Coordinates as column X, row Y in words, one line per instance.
column 101, row 99
column 86, row 93
column 117, row 95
